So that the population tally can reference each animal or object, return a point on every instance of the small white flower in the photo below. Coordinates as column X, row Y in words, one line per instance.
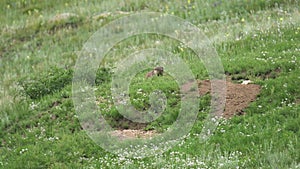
column 32, row 106
column 23, row 150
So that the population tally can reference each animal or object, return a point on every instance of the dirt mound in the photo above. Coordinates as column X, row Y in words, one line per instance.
column 238, row 96
column 129, row 133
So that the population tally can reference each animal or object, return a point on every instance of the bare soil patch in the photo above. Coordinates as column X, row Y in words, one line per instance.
column 129, row 133
column 238, row 96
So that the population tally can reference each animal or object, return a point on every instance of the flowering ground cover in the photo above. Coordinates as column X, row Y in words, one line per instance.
column 257, row 42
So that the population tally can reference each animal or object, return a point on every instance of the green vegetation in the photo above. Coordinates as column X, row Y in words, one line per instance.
column 40, row 40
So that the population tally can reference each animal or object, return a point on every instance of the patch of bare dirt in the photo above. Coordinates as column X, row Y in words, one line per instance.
column 238, row 96
column 129, row 133
column 297, row 102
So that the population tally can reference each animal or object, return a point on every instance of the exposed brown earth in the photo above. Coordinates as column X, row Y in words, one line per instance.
column 129, row 133
column 238, row 97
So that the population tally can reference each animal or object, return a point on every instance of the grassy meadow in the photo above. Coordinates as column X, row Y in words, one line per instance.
column 40, row 41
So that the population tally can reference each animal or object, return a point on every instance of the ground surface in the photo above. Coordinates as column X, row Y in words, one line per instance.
column 255, row 40
column 238, row 97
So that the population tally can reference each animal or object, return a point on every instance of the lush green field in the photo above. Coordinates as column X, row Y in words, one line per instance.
column 256, row 40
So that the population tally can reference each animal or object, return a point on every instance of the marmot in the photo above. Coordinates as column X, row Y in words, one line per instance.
column 159, row 71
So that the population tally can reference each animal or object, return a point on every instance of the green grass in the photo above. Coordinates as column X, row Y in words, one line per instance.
column 256, row 40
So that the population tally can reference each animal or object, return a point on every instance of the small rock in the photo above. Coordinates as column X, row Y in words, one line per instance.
column 245, row 82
